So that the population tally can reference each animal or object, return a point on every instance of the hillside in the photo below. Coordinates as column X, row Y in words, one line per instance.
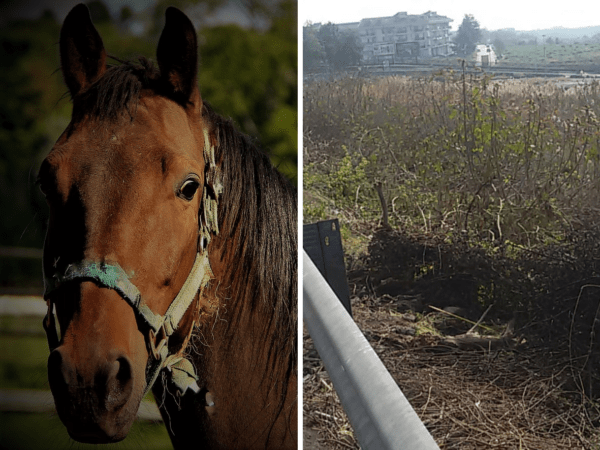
column 563, row 33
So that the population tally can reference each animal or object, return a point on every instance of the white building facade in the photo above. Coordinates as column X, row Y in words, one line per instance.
column 485, row 55
column 402, row 36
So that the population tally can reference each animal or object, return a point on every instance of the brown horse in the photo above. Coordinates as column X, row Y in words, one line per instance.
column 170, row 256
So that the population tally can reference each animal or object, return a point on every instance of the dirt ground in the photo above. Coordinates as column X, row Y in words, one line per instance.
column 468, row 398
column 473, row 388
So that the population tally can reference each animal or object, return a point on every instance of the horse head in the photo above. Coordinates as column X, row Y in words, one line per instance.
column 125, row 183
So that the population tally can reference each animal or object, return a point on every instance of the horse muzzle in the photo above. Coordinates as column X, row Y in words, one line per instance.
column 97, row 387
column 96, row 405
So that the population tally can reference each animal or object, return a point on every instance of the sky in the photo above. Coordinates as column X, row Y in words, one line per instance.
column 522, row 15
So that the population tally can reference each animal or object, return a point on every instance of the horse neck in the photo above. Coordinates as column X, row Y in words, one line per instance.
column 235, row 363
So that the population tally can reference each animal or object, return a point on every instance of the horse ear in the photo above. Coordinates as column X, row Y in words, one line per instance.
column 82, row 54
column 177, row 54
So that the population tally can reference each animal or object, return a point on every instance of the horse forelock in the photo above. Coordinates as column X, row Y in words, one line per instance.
column 118, row 90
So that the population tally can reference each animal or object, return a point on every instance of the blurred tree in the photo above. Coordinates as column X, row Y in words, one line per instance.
column 264, row 105
column 98, row 11
column 341, row 48
column 468, row 35
column 313, row 53
column 28, row 97
column 125, row 14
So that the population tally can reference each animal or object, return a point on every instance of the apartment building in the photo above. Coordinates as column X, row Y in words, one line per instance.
column 402, row 36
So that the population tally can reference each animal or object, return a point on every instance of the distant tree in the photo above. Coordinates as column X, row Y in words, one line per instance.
column 328, row 37
column 342, row 49
column 126, row 13
column 468, row 35
column 499, row 46
column 348, row 52
column 313, row 53
column 507, row 36
column 98, row 11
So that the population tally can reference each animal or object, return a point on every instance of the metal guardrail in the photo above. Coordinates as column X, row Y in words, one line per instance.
column 379, row 412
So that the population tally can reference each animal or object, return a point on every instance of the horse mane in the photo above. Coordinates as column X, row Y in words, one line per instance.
column 257, row 211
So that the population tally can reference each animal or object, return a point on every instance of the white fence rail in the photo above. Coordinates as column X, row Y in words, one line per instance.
column 380, row 414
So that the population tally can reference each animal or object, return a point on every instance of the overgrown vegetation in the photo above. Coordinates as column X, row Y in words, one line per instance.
column 491, row 190
column 509, row 164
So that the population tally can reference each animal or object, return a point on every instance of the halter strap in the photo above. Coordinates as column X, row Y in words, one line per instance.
column 112, row 276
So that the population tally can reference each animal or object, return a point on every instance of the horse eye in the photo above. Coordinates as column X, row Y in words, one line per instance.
column 188, row 189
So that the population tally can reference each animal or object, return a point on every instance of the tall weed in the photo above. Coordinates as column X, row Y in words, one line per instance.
column 498, row 161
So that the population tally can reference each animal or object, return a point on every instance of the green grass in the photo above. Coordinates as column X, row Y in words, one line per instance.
column 45, row 431
column 23, row 359
column 23, row 366
column 21, row 325
column 23, row 362
column 555, row 54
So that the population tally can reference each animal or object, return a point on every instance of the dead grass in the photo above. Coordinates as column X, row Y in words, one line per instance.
column 512, row 398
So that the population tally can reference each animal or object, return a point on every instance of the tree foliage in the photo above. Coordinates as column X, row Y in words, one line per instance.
column 337, row 49
column 313, row 53
column 468, row 35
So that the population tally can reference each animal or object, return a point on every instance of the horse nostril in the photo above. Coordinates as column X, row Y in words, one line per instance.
column 119, row 383
column 124, row 373
column 59, row 370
